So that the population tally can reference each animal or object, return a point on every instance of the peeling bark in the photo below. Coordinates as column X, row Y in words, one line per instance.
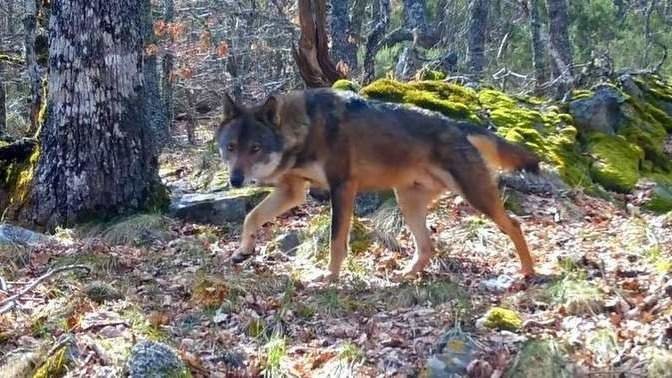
column 95, row 154
column 312, row 54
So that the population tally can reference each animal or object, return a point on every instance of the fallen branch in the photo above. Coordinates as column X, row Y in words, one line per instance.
column 9, row 302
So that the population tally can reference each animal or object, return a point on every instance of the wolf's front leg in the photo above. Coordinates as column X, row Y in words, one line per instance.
column 342, row 203
column 288, row 194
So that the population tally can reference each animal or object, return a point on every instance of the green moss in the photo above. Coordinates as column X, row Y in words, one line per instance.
column 429, row 95
column 501, row 318
column 427, row 74
column 55, row 366
column 580, row 94
column 616, row 161
column 346, row 85
column 138, row 229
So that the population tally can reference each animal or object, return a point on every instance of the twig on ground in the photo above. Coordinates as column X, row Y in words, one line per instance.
column 9, row 302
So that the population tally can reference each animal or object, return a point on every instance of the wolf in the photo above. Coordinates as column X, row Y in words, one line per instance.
column 344, row 143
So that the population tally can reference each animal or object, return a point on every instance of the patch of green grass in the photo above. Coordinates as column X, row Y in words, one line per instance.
column 139, row 323
column 276, row 350
column 137, row 230
column 656, row 257
column 99, row 262
column 540, row 359
column 576, row 294
column 350, row 352
column 426, row 292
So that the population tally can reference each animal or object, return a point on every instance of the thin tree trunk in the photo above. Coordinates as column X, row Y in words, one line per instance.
column 95, row 157
column 478, row 23
column 34, row 77
column 559, row 39
column 374, row 38
column 538, row 50
column 339, row 29
column 3, row 109
column 155, row 109
column 167, row 69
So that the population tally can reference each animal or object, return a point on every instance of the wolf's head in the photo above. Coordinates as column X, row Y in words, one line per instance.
column 250, row 142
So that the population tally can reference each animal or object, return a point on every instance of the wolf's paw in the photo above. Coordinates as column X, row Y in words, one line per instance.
column 241, row 255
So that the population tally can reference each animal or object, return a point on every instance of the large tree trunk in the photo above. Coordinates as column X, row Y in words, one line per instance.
column 382, row 14
column 478, row 23
column 312, row 54
column 538, row 50
column 559, row 39
column 167, row 69
column 35, row 80
column 155, row 110
column 95, row 154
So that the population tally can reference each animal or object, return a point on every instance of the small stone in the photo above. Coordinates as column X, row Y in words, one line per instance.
column 288, row 243
column 154, row 359
column 100, row 292
column 500, row 284
column 11, row 235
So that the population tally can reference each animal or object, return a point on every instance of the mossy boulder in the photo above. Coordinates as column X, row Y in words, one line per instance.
column 616, row 161
column 346, row 85
column 604, row 135
column 316, row 240
column 502, row 318
column 154, row 359
column 661, row 198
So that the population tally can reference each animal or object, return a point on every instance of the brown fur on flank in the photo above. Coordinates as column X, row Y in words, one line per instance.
column 343, row 143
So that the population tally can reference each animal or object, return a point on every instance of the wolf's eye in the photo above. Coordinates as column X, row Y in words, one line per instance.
column 230, row 147
column 255, row 148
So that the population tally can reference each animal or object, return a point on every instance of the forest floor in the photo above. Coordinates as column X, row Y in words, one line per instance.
column 603, row 307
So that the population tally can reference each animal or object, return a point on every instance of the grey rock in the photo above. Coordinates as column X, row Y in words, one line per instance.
column 629, row 86
column 216, row 208
column 14, row 235
column 288, row 243
column 601, row 112
column 151, row 359
column 499, row 284
column 453, row 354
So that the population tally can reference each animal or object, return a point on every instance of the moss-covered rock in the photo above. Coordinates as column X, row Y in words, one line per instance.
column 346, row 85
column 316, row 241
column 613, row 139
column 616, row 161
column 661, row 198
column 502, row 318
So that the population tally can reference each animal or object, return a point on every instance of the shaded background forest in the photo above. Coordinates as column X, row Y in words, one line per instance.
column 200, row 49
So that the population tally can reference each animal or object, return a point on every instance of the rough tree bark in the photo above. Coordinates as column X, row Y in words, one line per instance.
column 155, row 111
column 341, row 47
column 478, row 23
column 34, row 77
column 95, row 152
column 538, row 50
column 167, row 69
column 560, row 48
column 312, row 54
column 373, row 40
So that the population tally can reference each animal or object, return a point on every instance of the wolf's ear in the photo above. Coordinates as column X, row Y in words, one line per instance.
column 231, row 109
column 270, row 111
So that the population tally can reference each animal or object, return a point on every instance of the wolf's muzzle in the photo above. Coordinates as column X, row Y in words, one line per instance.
column 237, row 178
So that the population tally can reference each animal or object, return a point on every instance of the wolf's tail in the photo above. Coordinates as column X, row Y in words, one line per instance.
column 501, row 154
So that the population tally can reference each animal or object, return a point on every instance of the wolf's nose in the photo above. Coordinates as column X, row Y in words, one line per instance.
column 237, row 179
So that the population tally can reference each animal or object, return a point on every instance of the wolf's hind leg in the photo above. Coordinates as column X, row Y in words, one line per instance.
column 413, row 202
column 287, row 195
column 479, row 189
column 342, row 204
